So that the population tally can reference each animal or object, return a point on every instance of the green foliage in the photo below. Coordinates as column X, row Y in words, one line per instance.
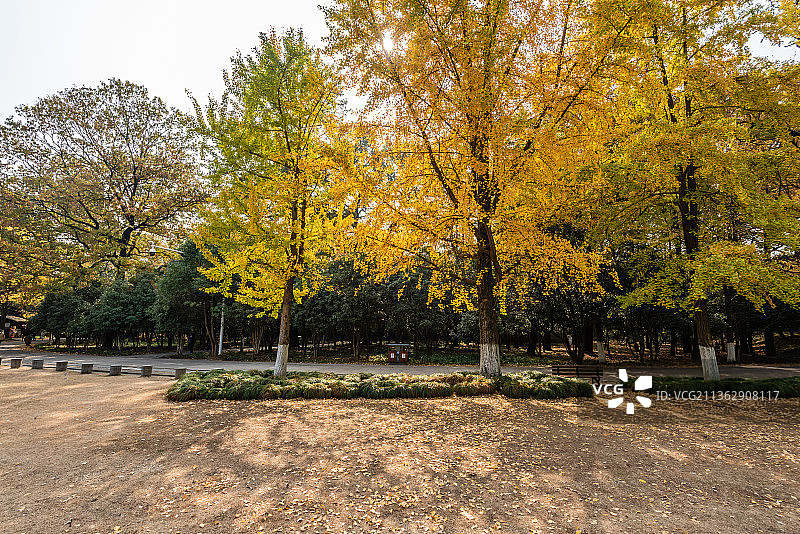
column 268, row 155
column 178, row 295
column 123, row 307
column 59, row 312
column 536, row 385
column 238, row 385
column 396, row 307
column 98, row 311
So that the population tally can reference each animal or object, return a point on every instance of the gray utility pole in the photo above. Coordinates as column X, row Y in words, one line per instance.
column 221, row 325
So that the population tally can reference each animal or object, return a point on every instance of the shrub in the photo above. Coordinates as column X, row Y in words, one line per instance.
column 537, row 385
column 240, row 385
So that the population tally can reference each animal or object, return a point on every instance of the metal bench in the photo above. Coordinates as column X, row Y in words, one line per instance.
column 591, row 372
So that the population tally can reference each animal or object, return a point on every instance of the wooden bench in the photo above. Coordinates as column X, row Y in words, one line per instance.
column 592, row 372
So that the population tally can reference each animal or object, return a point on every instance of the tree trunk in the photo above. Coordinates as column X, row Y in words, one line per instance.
column 356, row 343
column 731, row 350
column 588, row 338
column 769, row 343
column 687, row 342
column 601, row 350
column 533, row 339
column 256, row 333
column 4, row 313
column 689, row 211
column 730, row 336
column 282, row 358
column 208, row 326
column 573, row 345
column 547, row 341
column 487, row 309
column 695, row 347
column 673, row 341
column 708, row 358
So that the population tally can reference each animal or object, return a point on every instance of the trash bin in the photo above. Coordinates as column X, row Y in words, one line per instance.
column 398, row 353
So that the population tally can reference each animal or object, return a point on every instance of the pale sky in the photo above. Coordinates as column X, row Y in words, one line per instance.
column 166, row 45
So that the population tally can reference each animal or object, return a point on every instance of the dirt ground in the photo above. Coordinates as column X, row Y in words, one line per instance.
column 99, row 454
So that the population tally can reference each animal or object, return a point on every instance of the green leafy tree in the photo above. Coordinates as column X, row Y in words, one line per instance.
column 90, row 171
column 65, row 311
column 114, row 314
column 182, row 306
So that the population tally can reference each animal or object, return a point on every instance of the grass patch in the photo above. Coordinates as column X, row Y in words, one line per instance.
column 240, row 385
column 787, row 387
column 227, row 355
column 472, row 357
column 100, row 351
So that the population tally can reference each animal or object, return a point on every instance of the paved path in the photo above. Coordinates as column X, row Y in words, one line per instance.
column 165, row 365
column 15, row 349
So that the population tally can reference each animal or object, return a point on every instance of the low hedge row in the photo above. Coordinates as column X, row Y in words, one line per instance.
column 787, row 387
column 238, row 385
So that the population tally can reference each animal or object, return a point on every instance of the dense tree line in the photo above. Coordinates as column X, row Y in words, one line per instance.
column 169, row 308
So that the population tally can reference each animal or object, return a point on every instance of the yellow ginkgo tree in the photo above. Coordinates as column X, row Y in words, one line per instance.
column 270, row 162
column 705, row 163
column 480, row 109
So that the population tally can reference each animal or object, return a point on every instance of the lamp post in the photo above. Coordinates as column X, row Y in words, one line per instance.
column 153, row 251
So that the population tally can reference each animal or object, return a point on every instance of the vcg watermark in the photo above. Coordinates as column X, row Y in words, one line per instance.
column 642, row 383
column 718, row 395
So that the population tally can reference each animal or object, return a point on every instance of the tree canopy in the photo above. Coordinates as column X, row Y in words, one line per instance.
column 91, row 172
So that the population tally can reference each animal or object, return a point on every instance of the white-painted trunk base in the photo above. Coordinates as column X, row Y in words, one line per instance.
column 708, row 359
column 280, row 360
column 490, row 359
column 601, row 352
column 731, row 352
